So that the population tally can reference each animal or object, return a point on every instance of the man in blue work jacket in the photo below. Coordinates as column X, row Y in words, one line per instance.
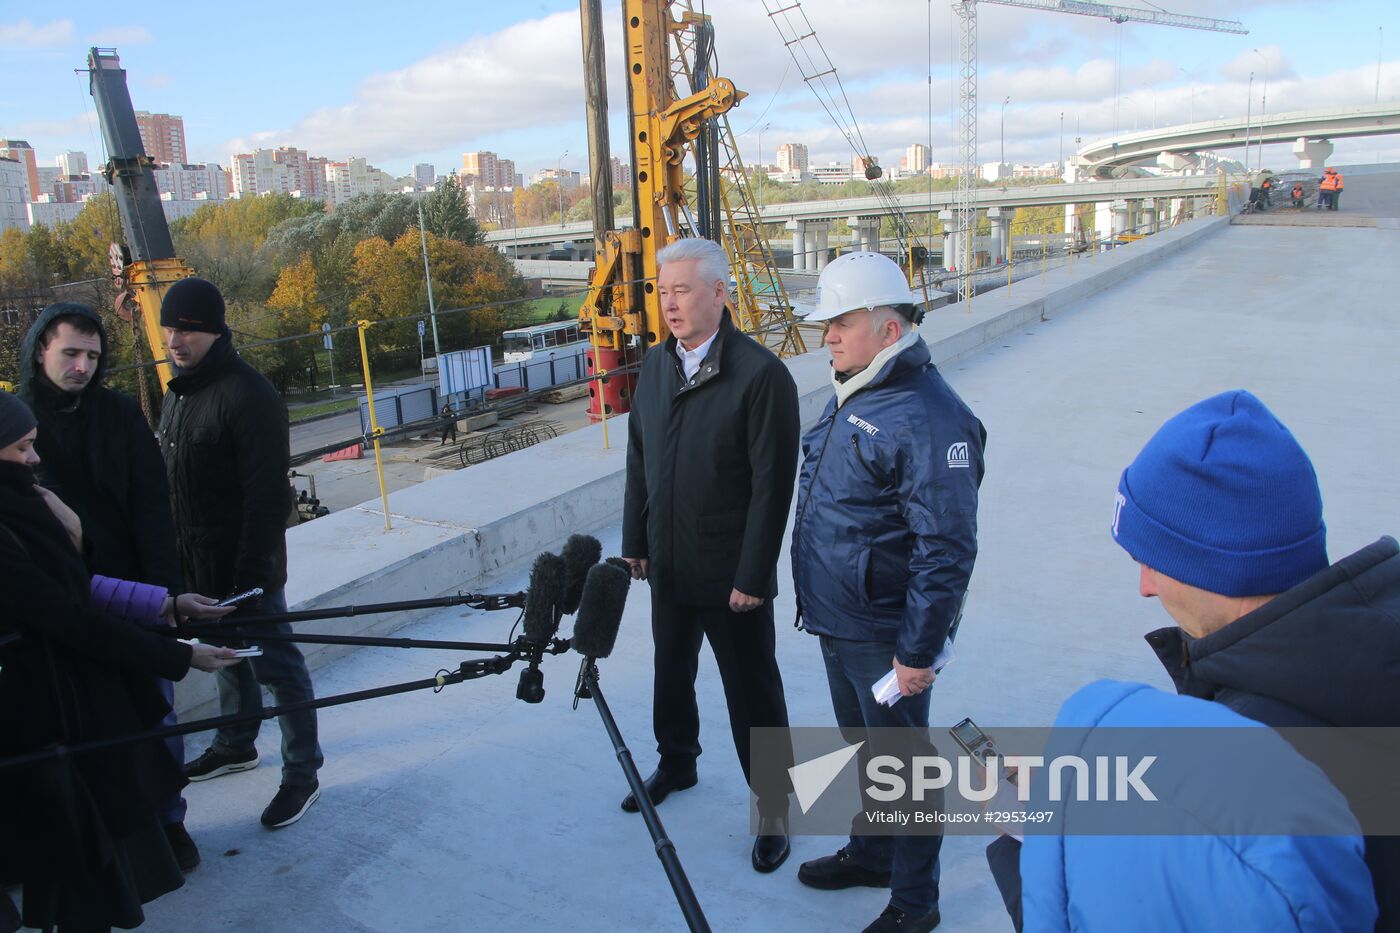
column 883, row 545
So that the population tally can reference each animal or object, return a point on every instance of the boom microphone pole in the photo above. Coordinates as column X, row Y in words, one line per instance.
column 595, row 631
column 489, row 602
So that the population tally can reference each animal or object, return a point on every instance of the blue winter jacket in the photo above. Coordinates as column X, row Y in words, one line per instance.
column 1221, row 881
column 886, row 528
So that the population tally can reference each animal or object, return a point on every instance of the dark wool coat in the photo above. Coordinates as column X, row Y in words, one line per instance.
column 710, row 469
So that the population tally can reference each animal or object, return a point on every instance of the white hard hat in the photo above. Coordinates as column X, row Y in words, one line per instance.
column 855, row 282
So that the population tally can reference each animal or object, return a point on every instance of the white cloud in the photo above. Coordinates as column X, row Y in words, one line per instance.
column 518, row 90
column 1264, row 62
column 527, row 75
column 118, row 36
column 24, row 34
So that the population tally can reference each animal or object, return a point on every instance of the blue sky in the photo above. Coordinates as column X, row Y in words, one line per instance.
column 426, row 83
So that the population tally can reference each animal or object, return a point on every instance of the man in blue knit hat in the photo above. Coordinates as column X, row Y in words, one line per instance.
column 1223, row 513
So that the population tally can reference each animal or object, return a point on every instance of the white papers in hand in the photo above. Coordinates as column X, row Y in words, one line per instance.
column 886, row 691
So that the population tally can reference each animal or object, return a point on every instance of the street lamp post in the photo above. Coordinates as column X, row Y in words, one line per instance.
column 1062, row 142
column 559, row 183
column 758, row 166
column 1263, row 105
column 1192, row 85
column 1248, row 102
column 1003, row 136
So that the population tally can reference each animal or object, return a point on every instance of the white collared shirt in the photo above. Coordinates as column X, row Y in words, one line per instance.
column 691, row 359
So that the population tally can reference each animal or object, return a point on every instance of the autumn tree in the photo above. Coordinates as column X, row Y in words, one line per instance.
column 226, row 242
column 468, row 282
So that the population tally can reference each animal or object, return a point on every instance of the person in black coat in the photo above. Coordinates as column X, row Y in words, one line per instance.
column 81, row 832
column 223, row 432
column 711, row 458
column 99, row 455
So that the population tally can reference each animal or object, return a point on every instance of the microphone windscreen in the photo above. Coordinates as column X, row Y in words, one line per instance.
column 580, row 552
column 600, row 610
column 543, row 598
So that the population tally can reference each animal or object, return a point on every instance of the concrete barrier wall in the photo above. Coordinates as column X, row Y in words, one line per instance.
column 461, row 531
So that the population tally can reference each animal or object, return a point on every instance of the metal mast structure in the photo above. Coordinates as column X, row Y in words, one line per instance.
column 966, row 204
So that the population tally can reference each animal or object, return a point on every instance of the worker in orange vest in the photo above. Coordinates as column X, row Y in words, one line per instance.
column 1330, row 189
column 1297, row 194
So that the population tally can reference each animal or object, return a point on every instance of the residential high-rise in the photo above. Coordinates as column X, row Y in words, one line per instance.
column 621, row 173
column 245, row 180
column 355, row 176
column 14, row 193
column 49, row 175
column 192, row 182
column 162, row 136
column 792, row 157
column 284, row 170
column 567, row 178
column 23, row 153
column 424, row 174
column 72, row 163
column 74, row 189
column 915, row 160
column 488, row 170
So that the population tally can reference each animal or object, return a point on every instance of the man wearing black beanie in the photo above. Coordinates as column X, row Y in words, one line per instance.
column 224, row 436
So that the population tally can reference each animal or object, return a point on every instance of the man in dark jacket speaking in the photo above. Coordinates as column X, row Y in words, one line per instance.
column 711, row 456
column 224, row 436
column 883, row 546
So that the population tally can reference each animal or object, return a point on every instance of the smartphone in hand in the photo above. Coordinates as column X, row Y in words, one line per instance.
column 255, row 593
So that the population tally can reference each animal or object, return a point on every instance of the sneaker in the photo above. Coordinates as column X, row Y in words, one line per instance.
column 291, row 802
column 894, row 920
column 215, row 763
column 834, row 872
column 186, row 852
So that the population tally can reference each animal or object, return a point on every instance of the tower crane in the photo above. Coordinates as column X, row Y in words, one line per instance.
column 965, row 204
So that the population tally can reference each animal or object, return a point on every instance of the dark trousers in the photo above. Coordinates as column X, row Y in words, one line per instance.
column 743, row 645
column 282, row 670
column 173, row 810
column 852, row 668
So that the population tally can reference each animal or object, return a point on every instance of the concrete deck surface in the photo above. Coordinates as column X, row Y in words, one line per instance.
column 471, row 811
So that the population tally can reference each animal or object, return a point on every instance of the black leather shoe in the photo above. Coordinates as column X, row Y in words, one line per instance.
column 659, row 786
column 894, row 920
column 771, row 847
column 835, row 872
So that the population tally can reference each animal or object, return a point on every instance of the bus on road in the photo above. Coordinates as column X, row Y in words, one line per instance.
column 542, row 342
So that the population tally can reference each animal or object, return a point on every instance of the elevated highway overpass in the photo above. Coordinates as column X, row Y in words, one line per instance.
column 530, row 239
column 1309, row 130
column 810, row 221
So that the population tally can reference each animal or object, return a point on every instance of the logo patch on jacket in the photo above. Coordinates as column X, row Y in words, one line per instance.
column 958, row 457
column 870, row 429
